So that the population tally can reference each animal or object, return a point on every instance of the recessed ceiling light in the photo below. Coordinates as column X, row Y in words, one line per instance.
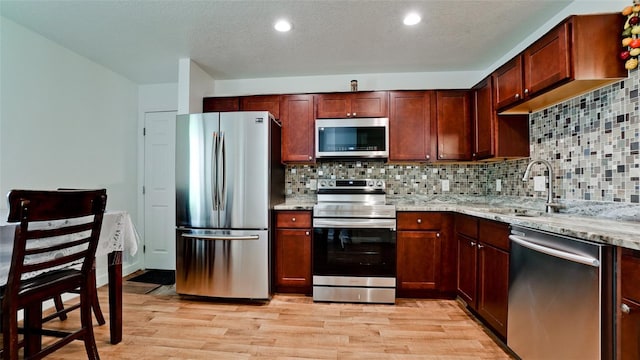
column 282, row 26
column 411, row 19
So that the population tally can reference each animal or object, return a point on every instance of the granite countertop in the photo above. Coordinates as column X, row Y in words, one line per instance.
column 614, row 224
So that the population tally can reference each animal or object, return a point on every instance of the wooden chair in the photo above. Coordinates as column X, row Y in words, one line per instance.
column 57, row 230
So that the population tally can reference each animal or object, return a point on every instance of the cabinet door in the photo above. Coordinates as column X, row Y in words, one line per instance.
column 293, row 260
column 296, row 116
column 270, row 103
column 410, row 125
column 453, row 123
column 333, row 105
column 418, row 261
column 467, row 269
column 483, row 120
column 493, row 286
column 370, row 104
column 215, row 104
column 630, row 331
column 508, row 83
column 547, row 61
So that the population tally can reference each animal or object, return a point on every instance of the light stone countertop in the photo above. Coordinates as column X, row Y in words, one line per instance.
column 603, row 223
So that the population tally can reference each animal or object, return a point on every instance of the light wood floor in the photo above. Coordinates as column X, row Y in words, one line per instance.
column 162, row 325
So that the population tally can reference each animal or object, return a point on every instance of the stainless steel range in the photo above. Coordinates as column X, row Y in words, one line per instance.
column 354, row 242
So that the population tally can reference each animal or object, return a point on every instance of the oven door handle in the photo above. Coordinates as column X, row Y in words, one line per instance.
column 355, row 223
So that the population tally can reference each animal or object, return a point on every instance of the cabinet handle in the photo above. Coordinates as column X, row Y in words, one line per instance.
column 480, row 246
column 517, row 96
column 306, row 233
column 310, row 157
column 354, row 115
column 293, row 219
column 441, row 156
column 428, row 157
column 625, row 308
column 419, row 221
column 472, row 243
column 526, row 91
column 437, row 235
column 348, row 114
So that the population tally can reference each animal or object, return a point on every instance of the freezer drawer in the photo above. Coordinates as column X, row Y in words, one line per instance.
column 223, row 263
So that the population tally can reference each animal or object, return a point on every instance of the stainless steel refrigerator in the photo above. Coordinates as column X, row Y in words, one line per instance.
column 228, row 178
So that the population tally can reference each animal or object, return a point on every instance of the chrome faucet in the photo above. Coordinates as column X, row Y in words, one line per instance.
column 550, row 205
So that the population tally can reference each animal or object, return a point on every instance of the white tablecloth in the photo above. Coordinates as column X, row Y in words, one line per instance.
column 117, row 234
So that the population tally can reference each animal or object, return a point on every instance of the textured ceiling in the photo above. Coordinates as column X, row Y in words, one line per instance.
column 143, row 40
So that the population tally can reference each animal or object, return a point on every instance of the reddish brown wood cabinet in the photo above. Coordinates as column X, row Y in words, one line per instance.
column 216, row 104
column 629, row 305
column 574, row 57
column 296, row 116
column 453, row 124
column 410, row 125
column 270, row 103
column 484, row 260
column 496, row 136
column 351, row 105
column 293, row 251
column 426, row 255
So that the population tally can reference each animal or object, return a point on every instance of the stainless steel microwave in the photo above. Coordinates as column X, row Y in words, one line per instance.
column 352, row 138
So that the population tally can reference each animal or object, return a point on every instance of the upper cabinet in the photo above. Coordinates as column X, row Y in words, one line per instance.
column 496, row 136
column 216, row 104
column 270, row 103
column 453, row 124
column 410, row 122
column 355, row 104
column 578, row 55
column 296, row 116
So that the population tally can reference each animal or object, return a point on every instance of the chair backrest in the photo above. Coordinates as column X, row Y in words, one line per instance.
column 57, row 229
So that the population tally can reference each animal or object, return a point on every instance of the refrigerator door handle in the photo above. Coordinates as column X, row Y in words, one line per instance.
column 221, row 237
column 214, row 172
column 223, row 196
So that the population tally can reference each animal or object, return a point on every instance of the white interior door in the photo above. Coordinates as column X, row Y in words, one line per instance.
column 159, row 190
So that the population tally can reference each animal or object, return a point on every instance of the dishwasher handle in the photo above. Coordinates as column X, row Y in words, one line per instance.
column 586, row 260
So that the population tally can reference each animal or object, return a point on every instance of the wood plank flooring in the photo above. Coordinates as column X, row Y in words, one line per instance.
column 163, row 325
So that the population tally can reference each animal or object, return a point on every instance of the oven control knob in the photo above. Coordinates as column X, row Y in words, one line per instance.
column 332, row 183
column 379, row 184
column 370, row 183
column 323, row 183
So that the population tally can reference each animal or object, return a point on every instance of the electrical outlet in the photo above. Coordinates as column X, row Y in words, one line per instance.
column 498, row 185
column 539, row 183
column 445, row 185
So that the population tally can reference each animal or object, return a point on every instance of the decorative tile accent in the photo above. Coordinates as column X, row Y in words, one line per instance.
column 592, row 142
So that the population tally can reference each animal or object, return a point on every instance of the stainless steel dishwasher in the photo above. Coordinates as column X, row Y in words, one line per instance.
column 560, row 297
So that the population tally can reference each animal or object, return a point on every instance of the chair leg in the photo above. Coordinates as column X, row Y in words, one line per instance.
column 57, row 300
column 10, row 334
column 93, row 292
column 86, row 317
column 32, row 327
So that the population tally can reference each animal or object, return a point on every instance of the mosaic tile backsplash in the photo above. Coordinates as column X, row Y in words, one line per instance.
column 592, row 142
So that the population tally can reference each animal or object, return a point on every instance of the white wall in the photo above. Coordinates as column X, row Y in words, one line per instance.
column 65, row 121
column 193, row 84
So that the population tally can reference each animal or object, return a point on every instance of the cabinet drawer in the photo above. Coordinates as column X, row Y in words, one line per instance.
column 494, row 233
column 630, row 273
column 467, row 225
column 293, row 219
column 419, row 221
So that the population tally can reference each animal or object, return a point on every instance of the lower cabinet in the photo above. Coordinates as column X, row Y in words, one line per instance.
column 425, row 255
column 293, row 252
column 629, row 306
column 483, row 269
